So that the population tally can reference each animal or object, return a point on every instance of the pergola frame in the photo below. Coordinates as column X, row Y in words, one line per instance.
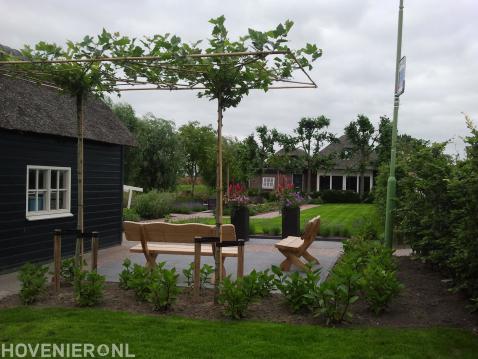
column 123, row 83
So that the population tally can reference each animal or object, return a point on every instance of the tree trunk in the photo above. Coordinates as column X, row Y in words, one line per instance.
column 80, row 180
column 193, row 183
column 218, row 256
column 308, row 181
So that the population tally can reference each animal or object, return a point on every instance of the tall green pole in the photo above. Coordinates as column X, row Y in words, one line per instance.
column 392, row 182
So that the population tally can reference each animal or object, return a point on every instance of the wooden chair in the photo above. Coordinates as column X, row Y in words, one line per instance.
column 293, row 248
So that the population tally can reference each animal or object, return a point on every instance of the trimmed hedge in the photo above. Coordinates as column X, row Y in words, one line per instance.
column 333, row 196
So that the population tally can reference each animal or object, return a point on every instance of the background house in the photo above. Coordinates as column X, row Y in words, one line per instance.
column 38, row 184
column 343, row 173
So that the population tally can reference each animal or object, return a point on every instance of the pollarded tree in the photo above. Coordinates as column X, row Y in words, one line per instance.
column 49, row 64
column 311, row 135
column 198, row 147
column 363, row 137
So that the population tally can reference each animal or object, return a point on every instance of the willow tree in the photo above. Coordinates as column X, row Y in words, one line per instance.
column 52, row 65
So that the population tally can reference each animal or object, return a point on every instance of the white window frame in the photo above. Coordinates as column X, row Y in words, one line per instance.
column 268, row 182
column 48, row 213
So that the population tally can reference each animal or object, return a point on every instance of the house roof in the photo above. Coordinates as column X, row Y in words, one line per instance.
column 27, row 106
column 298, row 152
column 337, row 148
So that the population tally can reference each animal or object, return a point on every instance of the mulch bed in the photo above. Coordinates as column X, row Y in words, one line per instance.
column 425, row 302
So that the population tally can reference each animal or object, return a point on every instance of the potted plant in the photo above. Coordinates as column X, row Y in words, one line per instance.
column 290, row 201
column 238, row 201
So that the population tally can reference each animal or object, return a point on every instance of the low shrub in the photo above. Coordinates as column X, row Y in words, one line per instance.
column 276, row 231
column 88, row 288
column 252, row 228
column 189, row 274
column 379, row 286
column 237, row 295
column 33, row 278
column 126, row 275
column 153, row 204
column 205, row 275
column 67, row 270
column 130, row 214
column 297, row 288
column 163, row 289
column 266, row 229
column 334, row 196
column 140, row 280
column 333, row 299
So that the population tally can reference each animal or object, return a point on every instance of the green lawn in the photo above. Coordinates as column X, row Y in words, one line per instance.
column 169, row 337
column 336, row 219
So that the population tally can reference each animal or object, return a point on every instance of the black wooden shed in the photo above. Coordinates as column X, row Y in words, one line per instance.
column 38, row 185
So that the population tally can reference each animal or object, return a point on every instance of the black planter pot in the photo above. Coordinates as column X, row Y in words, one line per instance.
column 240, row 220
column 290, row 221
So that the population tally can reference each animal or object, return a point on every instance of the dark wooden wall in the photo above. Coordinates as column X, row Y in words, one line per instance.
column 22, row 240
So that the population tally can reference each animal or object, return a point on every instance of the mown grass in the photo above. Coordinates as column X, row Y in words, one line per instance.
column 170, row 337
column 336, row 219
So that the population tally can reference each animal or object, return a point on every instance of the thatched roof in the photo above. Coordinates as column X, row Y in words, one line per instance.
column 27, row 106
column 337, row 148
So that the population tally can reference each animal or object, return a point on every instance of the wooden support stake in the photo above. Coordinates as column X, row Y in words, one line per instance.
column 240, row 261
column 197, row 270
column 94, row 250
column 57, row 258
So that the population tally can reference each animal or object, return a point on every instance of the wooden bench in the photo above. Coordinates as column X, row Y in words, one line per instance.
column 293, row 248
column 168, row 238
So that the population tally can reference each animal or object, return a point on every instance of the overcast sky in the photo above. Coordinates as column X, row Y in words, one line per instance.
column 355, row 74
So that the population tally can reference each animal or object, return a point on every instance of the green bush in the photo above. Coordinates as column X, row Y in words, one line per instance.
column 276, row 231
column 189, row 274
column 205, row 275
column 163, row 289
column 33, row 278
column 298, row 289
column 140, row 281
column 379, row 286
column 67, row 270
column 130, row 214
column 153, row 204
column 334, row 196
column 237, row 295
column 126, row 275
column 252, row 228
column 88, row 288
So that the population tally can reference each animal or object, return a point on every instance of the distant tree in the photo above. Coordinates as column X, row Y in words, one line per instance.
column 160, row 153
column 363, row 138
column 311, row 135
column 267, row 139
column 126, row 114
column 384, row 140
column 198, row 145
column 249, row 160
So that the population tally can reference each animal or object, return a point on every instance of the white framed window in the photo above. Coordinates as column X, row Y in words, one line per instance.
column 268, row 182
column 48, row 192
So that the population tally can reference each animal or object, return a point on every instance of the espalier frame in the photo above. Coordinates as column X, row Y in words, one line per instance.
column 172, row 70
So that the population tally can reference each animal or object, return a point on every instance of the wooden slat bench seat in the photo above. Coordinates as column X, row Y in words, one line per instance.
column 169, row 238
column 164, row 248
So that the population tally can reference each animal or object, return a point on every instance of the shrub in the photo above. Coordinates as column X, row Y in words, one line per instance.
column 298, row 289
column 235, row 296
column 163, row 289
column 153, row 204
column 263, row 283
column 205, row 277
column 130, row 214
column 88, row 288
column 126, row 275
column 67, row 270
column 189, row 274
column 265, row 229
column 252, row 228
column 334, row 196
column 379, row 286
column 276, row 231
column 332, row 301
column 33, row 278
column 141, row 280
